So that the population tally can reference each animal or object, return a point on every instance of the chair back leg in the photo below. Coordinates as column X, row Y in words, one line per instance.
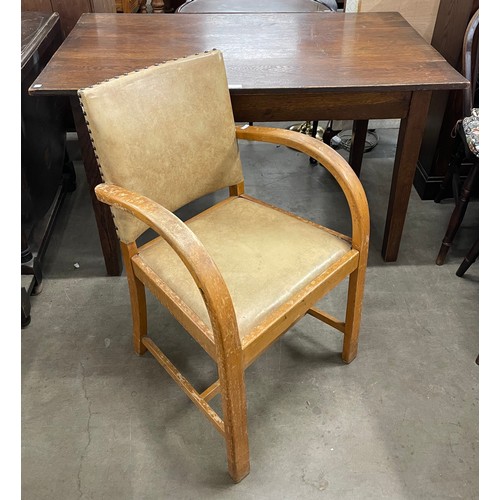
column 469, row 259
column 457, row 215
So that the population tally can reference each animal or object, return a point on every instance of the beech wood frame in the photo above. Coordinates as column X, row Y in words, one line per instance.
column 223, row 343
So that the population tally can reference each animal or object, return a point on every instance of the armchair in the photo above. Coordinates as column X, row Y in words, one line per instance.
column 239, row 274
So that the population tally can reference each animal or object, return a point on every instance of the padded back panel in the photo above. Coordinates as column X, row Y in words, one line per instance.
column 166, row 132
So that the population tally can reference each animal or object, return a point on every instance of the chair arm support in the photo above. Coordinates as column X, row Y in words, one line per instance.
column 192, row 253
column 333, row 162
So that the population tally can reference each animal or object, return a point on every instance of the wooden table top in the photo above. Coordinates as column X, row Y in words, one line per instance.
column 263, row 52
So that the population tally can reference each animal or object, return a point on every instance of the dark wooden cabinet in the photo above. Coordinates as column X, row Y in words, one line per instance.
column 69, row 10
column 445, row 108
column 46, row 175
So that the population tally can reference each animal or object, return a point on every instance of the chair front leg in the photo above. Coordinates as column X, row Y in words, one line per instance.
column 234, row 409
column 353, row 314
column 137, row 298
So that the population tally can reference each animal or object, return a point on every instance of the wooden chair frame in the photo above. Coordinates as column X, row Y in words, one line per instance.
column 462, row 192
column 223, row 343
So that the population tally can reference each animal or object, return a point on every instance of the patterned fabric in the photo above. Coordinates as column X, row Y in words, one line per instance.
column 471, row 129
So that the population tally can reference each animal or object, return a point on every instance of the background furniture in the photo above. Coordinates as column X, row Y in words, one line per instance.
column 442, row 23
column 241, row 6
column 420, row 14
column 445, row 108
column 69, row 10
column 128, row 6
column 46, row 175
column 466, row 133
column 273, row 77
column 159, row 6
column 259, row 269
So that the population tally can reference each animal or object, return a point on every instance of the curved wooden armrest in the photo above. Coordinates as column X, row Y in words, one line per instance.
column 333, row 162
column 192, row 253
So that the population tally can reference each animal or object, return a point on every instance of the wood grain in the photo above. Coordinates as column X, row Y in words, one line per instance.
column 292, row 52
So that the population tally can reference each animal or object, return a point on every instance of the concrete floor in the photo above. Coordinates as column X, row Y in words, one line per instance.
column 400, row 422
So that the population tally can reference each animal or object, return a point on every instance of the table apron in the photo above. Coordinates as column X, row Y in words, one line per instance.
column 319, row 106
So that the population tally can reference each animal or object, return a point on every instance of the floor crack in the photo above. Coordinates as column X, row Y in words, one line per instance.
column 84, row 389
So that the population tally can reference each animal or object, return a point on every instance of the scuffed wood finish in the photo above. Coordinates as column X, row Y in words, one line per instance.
column 284, row 317
column 327, row 318
column 237, row 189
column 137, row 298
column 220, row 310
column 183, row 383
column 358, row 206
column 222, row 342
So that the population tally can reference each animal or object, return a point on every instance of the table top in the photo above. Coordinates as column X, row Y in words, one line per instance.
column 263, row 52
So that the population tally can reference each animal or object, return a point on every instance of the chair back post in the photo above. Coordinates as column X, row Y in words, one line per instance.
column 468, row 70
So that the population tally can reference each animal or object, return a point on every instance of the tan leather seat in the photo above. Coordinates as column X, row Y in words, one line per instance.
column 241, row 273
column 281, row 253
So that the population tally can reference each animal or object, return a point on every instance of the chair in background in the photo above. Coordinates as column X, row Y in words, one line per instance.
column 466, row 132
column 244, row 6
column 239, row 274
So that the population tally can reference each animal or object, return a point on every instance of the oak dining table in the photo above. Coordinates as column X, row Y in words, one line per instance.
column 280, row 67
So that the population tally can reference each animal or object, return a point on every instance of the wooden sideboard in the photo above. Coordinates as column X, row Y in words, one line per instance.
column 46, row 173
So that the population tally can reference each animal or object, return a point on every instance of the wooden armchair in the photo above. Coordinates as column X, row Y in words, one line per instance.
column 241, row 273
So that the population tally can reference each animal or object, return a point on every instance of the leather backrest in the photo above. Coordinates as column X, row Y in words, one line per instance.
column 166, row 132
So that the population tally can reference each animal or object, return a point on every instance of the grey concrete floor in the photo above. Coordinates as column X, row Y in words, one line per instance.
column 400, row 422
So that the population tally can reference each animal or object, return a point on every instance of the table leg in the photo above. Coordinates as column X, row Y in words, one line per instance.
column 105, row 224
column 358, row 140
column 405, row 163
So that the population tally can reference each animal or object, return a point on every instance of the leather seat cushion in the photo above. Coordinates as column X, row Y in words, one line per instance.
column 264, row 255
